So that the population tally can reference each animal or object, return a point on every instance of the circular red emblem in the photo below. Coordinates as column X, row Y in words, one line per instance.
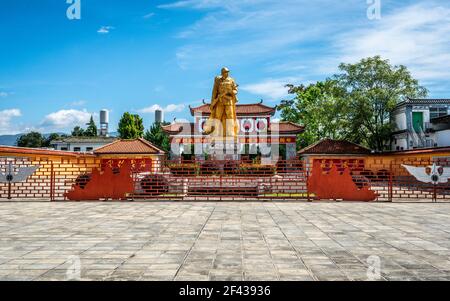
column 261, row 125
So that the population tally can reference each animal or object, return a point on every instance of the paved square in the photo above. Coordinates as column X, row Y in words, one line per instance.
column 224, row 241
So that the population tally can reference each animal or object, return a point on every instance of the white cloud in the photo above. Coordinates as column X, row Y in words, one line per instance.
column 174, row 108
column 66, row 119
column 245, row 31
column 211, row 4
column 273, row 89
column 312, row 38
column 416, row 36
column 151, row 109
column 168, row 109
column 159, row 88
column 4, row 94
column 6, row 117
column 105, row 29
column 179, row 4
column 148, row 16
column 78, row 103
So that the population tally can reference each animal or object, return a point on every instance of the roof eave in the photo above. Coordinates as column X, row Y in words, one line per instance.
column 126, row 153
column 40, row 152
column 334, row 154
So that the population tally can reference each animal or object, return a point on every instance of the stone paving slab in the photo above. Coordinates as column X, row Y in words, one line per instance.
column 224, row 241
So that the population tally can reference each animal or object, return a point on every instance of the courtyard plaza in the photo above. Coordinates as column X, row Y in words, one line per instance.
column 224, row 241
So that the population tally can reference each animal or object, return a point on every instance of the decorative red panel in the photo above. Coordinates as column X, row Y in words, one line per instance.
column 334, row 185
column 113, row 181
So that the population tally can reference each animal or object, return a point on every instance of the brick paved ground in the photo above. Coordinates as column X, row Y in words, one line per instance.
column 223, row 241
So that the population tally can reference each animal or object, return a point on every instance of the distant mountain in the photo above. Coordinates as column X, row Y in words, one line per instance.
column 10, row 140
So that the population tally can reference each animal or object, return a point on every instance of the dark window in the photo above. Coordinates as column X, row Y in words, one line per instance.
column 77, row 149
column 437, row 112
column 63, row 148
column 89, row 149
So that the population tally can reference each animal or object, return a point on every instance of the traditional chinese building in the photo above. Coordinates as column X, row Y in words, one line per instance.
column 421, row 123
column 138, row 153
column 331, row 152
column 257, row 132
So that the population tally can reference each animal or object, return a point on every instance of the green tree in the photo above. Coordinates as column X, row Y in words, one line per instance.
column 78, row 132
column 52, row 137
column 131, row 126
column 354, row 104
column 374, row 87
column 33, row 139
column 156, row 136
column 91, row 130
column 321, row 107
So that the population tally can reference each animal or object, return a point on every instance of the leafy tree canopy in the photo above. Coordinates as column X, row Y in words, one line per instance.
column 354, row 104
column 374, row 87
column 78, row 132
column 52, row 137
column 156, row 136
column 131, row 126
column 91, row 130
column 36, row 140
column 33, row 139
column 322, row 107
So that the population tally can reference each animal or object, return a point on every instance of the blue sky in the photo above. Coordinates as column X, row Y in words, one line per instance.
column 142, row 54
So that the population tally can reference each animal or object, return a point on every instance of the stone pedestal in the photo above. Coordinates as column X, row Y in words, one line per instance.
column 225, row 150
column 291, row 151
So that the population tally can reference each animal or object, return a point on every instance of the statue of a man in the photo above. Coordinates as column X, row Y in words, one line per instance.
column 223, row 107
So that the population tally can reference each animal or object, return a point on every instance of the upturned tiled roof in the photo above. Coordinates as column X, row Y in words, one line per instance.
column 136, row 146
column 241, row 109
column 180, row 127
column 287, row 127
column 335, row 147
column 424, row 101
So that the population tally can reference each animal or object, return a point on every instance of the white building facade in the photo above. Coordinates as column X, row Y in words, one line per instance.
column 81, row 144
column 421, row 123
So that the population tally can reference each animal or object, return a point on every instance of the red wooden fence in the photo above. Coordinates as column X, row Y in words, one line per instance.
column 357, row 180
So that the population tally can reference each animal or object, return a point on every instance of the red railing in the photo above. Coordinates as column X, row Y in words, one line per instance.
column 385, row 180
column 50, row 181
column 417, row 184
column 226, row 180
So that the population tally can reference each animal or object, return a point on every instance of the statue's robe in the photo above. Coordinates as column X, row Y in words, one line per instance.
column 217, row 108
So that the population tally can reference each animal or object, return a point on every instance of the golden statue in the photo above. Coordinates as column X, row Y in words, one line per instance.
column 223, row 121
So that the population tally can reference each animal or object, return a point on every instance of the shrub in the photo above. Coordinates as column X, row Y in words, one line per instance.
column 257, row 170
column 210, row 168
column 184, row 169
column 231, row 168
